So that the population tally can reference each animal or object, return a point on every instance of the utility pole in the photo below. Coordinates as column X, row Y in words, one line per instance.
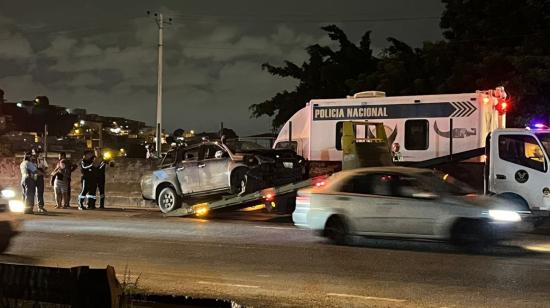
column 160, row 23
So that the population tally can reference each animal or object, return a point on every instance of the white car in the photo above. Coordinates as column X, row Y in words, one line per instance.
column 403, row 202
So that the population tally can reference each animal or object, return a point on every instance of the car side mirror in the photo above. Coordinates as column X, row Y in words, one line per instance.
column 425, row 196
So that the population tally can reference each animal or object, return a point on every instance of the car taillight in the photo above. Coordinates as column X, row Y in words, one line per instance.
column 319, row 181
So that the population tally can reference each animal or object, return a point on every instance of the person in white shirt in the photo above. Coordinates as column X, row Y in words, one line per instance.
column 28, row 182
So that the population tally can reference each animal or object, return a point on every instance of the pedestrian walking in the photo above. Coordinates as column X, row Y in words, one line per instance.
column 60, row 184
column 88, row 181
column 42, row 166
column 71, row 167
column 28, row 182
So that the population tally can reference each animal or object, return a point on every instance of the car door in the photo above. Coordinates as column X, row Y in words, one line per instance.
column 187, row 170
column 521, row 167
column 213, row 167
column 365, row 197
column 414, row 208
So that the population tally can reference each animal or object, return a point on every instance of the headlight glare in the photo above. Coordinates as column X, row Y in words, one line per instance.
column 503, row 215
column 8, row 193
column 17, row 206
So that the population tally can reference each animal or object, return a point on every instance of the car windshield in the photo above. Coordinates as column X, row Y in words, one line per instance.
column 237, row 146
column 443, row 183
column 545, row 140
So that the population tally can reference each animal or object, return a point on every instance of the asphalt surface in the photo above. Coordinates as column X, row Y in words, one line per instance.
column 263, row 261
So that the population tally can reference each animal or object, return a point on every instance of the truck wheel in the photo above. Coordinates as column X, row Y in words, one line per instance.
column 168, row 200
column 517, row 200
column 336, row 230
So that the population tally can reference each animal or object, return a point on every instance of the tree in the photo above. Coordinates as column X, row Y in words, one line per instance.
column 502, row 42
column 487, row 44
column 328, row 73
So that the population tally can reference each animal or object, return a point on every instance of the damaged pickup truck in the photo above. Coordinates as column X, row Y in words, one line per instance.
column 212, row 168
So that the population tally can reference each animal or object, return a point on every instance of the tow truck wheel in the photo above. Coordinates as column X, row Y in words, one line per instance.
column 168, row 200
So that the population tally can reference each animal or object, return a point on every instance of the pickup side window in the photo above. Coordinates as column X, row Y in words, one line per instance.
column 168, row 160
column 208, row 151
column 522, row 150
column 191, row 154
column 416, row 134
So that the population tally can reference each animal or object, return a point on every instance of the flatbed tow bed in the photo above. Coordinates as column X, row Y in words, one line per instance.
column 267, row 195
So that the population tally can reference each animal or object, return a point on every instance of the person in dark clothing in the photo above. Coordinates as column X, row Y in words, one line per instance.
column 88, row 181
column 100, row 165
column 70, row 167
column 42, row 165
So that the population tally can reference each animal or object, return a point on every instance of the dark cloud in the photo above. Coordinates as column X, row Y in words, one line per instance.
column 101, row 55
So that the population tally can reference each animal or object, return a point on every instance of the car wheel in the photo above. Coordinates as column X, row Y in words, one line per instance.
column 239, row 181
column 472, row 233
column 336, row 230
column 6, row 232
column 168, row 200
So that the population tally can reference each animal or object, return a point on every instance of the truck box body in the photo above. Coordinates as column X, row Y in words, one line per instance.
column 420, row 125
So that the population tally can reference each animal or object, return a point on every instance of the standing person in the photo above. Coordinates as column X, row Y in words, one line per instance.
column 42, row 166
column 396, row 152
column 71, row 167
column 28, row 182
column 101, row 166
column 60, row 184
column 88, row 181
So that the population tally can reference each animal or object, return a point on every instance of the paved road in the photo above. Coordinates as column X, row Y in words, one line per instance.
column 264, row 263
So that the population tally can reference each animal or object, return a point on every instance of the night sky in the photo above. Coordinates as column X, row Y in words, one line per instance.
column 102, row 55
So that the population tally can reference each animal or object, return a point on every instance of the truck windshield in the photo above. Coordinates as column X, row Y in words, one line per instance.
column 545, row 140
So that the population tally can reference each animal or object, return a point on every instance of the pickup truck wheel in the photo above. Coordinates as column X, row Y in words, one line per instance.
column 239, row 181
column 168, row 200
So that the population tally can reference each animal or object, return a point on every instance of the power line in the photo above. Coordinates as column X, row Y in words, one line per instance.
column 255, row 19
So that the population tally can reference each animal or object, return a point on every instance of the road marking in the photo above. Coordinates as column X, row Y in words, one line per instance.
column 278, row 228
column 228, row 284
column 395, row 300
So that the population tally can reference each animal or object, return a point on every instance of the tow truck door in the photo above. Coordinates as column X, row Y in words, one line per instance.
column 519, row 167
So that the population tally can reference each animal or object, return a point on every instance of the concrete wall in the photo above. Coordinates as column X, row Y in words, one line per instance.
column 122, row 181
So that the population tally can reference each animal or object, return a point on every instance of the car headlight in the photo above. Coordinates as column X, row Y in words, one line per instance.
column 8, row 193
column 17, row 206
column 503, row 215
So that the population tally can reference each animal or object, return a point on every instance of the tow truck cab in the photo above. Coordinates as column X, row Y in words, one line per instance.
column 517, row 166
